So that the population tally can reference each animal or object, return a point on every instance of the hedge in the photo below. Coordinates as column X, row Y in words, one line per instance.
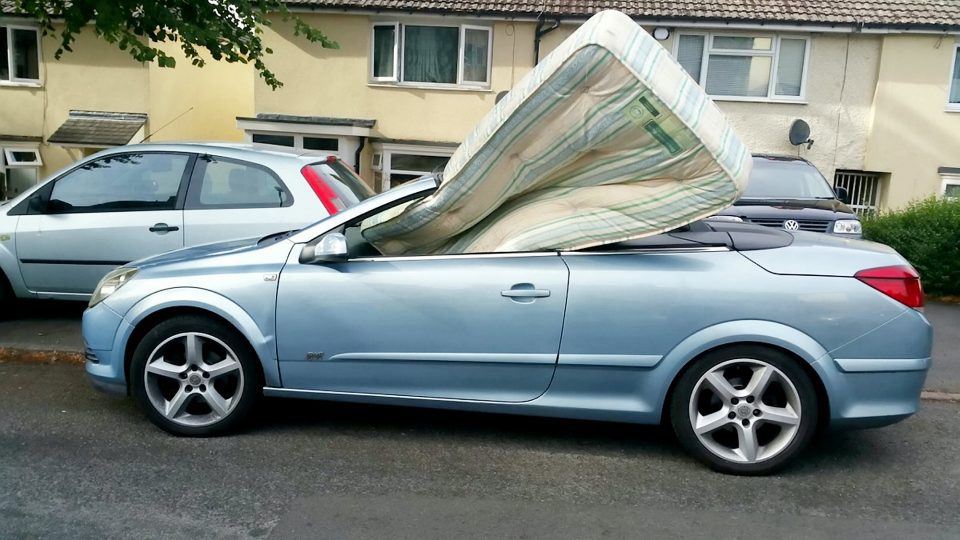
column 926, row 233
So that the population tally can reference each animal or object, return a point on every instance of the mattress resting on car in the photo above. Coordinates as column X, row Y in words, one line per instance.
column 607, row 139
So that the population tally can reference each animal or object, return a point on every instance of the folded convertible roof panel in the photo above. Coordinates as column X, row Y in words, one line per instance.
column 607, row 139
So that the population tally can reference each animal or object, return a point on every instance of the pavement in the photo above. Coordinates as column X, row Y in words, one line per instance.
column 75, row 463
column 55, row 326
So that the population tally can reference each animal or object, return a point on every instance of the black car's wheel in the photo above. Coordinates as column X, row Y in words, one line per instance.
column 7, row 297
column 744, row 410
column 195, row 376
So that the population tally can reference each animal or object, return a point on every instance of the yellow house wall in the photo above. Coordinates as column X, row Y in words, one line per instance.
column 192, row 103
column 95, row 76
column 912, row 132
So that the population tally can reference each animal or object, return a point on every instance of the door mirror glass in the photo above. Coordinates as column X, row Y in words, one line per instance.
column 843, row 195
column 331, row 248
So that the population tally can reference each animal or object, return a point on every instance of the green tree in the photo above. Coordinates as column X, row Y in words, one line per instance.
column 230, row 30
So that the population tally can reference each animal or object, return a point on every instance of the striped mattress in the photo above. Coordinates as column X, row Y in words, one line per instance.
column 606, row 140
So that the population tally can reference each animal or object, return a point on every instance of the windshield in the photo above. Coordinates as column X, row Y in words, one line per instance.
column 774, row 179
column 349, row 187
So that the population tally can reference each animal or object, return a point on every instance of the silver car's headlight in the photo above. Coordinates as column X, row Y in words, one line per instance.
column 110, row 283
column 847, row 226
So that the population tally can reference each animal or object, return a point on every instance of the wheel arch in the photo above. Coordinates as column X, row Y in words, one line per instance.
column 189, row 301
column 797, row 345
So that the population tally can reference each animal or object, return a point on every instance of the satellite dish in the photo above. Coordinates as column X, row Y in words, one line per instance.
column 500, row 96
column 800, row 133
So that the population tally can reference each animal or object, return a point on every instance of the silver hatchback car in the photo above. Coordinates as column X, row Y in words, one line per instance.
column 58, row 239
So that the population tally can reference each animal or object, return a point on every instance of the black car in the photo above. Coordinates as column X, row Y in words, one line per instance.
column 790, row 193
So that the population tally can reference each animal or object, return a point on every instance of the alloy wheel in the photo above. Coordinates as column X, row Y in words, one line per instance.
column 745, row 410
column 193, row 379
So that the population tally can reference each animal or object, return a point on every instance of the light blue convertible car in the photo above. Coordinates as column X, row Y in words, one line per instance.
column 746, row 339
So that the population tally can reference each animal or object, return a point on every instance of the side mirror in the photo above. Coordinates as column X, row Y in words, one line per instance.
column 842, row 194
column 331, row 248
column 38, row 204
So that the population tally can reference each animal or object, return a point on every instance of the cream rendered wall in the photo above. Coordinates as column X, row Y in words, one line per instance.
column 191, row 103
column 328, row 82
column 912, row 132
column 96, row 76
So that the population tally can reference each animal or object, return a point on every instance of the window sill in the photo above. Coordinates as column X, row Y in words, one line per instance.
column 782, row 101
column 20, row 84
column 443, row 88
column 953, row 107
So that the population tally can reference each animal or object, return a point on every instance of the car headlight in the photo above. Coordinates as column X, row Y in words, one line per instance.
column 725, row 218
column 847, row 226
column 110, row 283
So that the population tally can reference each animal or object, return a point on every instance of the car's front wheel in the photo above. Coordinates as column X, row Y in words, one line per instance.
column 744, row 409
column 195, row 376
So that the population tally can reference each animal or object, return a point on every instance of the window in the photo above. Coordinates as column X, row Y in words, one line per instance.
column 18, row 170
column 123, row 182
column 225, row 183
column 951, row 185
column 745, row 67
column 863, row 189
column 19, row 54
column 399, row 164
column 275, row 140
column 327, row 144
column 431, row 54
column 953, row 99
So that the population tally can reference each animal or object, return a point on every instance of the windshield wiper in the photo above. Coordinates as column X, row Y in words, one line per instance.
column 276, row 237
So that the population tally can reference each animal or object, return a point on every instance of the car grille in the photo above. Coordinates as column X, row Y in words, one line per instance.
column 814, row 225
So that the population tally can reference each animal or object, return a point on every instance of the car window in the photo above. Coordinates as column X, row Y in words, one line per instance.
column 227, row 183
column 781, row 179
column 123, row 182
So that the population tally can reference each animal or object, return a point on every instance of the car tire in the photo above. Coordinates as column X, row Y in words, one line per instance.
column 195, row 376
column 756, row 423
column 7, row 298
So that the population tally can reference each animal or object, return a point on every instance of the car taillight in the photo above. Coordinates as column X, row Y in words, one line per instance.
column 331, row 201
column 902, row 283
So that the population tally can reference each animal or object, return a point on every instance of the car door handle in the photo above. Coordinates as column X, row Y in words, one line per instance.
column 164, row 228
column 525, row 293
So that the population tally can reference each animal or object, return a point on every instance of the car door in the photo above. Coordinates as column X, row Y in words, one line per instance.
column 477, row 327
column 230, row 199
column 100, row 215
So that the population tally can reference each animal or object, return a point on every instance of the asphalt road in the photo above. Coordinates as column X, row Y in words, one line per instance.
column 78, row 464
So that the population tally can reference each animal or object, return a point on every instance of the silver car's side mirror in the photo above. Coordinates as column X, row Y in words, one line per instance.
column 331, row 248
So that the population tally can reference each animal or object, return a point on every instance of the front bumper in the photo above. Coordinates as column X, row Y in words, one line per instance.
column 103, row 333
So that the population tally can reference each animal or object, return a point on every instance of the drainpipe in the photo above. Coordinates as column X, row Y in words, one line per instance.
column 541, row 31
column 356, row 156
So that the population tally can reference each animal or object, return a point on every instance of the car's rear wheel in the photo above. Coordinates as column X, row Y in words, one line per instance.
column 195, row 376
column 745, row 409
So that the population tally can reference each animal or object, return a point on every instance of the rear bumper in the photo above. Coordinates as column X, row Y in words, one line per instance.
column 872, row 392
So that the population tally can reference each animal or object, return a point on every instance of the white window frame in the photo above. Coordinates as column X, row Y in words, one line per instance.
column 14, row 80
column 386, row 151
column 773, row 53
column 13, row 163
column 7, row 162
column 298, row 140
column 400, row 35
column 951, row 106
column 396, row 52
column 949, row 180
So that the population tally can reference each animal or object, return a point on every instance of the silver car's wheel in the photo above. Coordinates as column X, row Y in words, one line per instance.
column 195, row 376
column 193, row 379
column 745, row 410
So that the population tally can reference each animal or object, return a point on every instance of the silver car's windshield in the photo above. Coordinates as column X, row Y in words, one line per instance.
column 773, row 179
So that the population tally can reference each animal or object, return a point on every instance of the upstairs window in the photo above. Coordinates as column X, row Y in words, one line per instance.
column 746, row 67
column 953, row 99
column 19, row 54
column 431, row 55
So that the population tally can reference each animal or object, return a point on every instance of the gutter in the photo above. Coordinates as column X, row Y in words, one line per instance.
column 540, row 32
